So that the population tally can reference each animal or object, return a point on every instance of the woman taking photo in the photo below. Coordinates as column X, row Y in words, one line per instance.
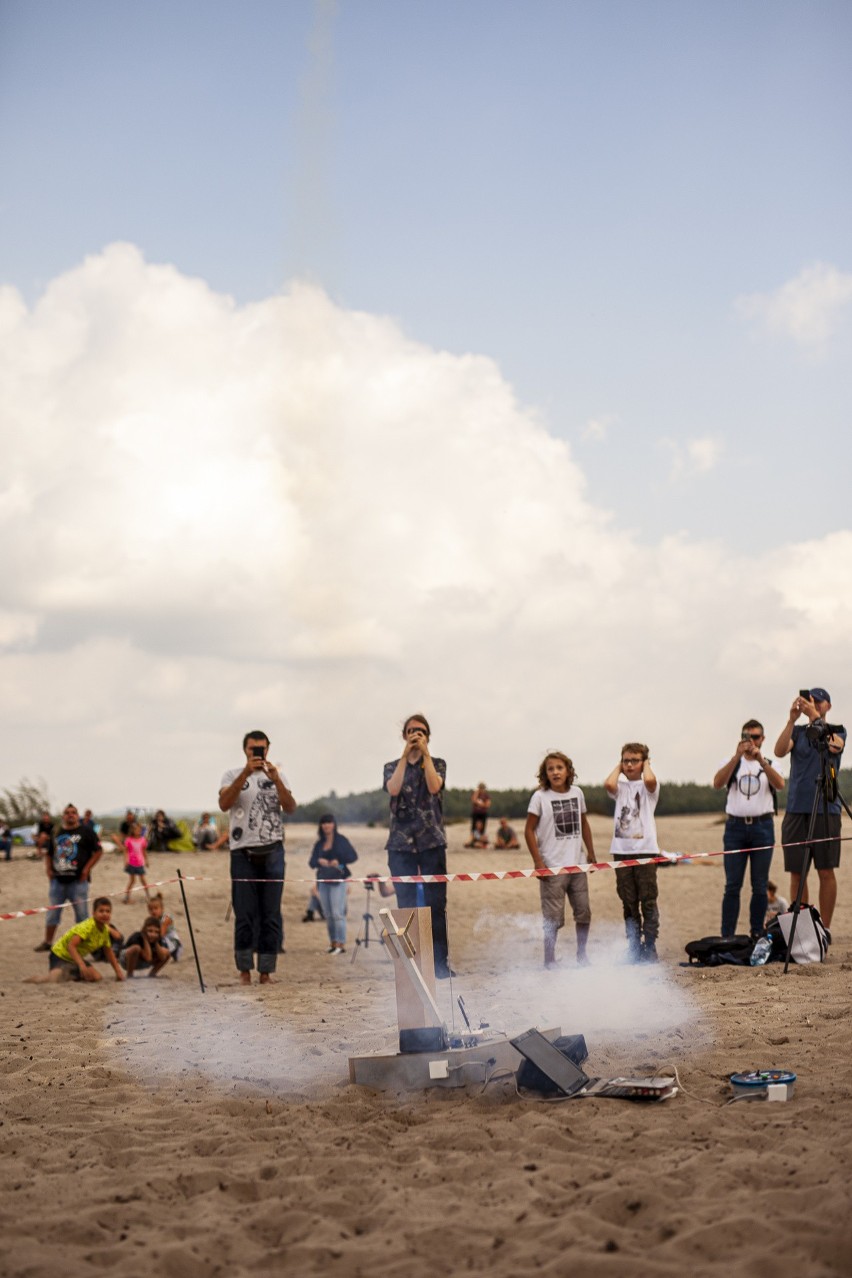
column 417, row 843
column 331, row 858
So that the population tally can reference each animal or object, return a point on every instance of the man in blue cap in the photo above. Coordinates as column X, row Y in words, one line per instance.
column 804, row 778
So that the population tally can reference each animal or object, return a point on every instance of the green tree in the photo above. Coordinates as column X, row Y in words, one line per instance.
column 25, row 802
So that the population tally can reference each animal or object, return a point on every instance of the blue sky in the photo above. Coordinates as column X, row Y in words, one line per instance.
column 608, row 200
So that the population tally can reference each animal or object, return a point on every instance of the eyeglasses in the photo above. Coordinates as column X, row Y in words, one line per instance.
column 410, row 732
column 753, row 736
column 629, row 762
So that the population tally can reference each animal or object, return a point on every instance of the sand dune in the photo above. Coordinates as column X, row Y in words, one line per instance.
column 148, row 1127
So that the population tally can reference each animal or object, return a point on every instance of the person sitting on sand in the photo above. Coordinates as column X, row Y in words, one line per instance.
column 68, row 957
column 477, row 835
column 775, row 904
column 206, row 836
column 144, row 949
column 161, row 830
column 505, row 838
column 556, row 829
column 168, row 932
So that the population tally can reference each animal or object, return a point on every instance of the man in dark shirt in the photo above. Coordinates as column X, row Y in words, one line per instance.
column 416, row 842
column 804, row 777
column 71, row 855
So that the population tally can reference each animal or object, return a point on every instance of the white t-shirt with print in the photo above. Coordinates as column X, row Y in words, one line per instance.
column 256, row 817
column 559, row 831
column 751, row 793
column 635, row 831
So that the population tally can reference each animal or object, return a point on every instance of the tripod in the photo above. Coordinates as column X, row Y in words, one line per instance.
column 825, row 793
column 363, row 937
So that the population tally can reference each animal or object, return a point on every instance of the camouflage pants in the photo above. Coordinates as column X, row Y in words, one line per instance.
column 637, row 891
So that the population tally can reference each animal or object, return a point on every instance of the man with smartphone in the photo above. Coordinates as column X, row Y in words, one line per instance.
column 752, row 782
column 814, row 704
column 256, row 796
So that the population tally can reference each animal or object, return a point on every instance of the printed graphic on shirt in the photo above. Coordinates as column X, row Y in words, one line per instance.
column 255, row 820
column 566, row 818
column 748, row 784
column 628, row 820
column 66, row 852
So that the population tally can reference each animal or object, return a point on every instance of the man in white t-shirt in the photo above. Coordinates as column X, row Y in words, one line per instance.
column 256, row 796
column 752, row 782
column 556, row 829
column 634, row 787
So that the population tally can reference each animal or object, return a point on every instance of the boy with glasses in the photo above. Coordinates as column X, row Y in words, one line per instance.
column 752, row 783
column 634, row 787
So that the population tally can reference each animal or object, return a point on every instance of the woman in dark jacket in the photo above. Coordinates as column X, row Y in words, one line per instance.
column 331, row 858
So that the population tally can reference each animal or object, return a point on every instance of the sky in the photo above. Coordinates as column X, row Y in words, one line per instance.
column 488, row 360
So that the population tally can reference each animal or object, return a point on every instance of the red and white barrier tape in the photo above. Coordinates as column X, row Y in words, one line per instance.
column 478, row 876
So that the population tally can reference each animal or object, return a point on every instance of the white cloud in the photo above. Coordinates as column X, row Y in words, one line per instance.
column 597, row 429
column 807, row 309
column 689, row 457
column 289, row 515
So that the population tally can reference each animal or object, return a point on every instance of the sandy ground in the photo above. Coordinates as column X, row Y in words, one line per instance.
column 149, row 1128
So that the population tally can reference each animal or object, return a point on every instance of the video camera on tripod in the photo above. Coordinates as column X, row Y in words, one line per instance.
column 818, row 732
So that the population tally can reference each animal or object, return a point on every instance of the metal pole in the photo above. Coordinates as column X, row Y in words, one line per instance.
column 191, row 933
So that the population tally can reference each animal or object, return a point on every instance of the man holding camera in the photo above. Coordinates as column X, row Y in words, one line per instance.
column 750, row 827
column 805, row 744
column 255, row 797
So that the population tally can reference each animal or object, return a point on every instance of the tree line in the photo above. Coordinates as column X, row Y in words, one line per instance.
column 370, row 807
column 24, row 803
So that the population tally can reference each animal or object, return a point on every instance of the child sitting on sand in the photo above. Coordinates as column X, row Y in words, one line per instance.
column 67, row 960
column 556, row 829
column 775, row 904
column 144, row 949
column 168, row 932
column 634, row 787
column 135, row 860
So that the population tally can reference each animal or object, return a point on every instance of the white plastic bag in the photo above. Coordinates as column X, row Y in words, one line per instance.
column 810, row 943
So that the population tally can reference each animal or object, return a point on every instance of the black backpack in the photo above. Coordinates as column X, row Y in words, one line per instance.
column 716, row 951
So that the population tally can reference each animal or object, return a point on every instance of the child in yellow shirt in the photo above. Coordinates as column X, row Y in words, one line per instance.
column 67, row 958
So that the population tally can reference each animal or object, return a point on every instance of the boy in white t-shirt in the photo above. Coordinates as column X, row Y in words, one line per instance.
column 634, row 787
column 556, row 829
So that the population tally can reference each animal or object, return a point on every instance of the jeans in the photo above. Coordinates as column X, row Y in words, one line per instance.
column 257, row 905
column 76, row 891
column 6, row 848
column 431, row 861
column 333, row 900
column 738, row 834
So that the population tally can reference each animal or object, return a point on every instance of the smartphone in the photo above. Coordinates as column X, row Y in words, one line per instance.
column 805, row 694
column 258, row 751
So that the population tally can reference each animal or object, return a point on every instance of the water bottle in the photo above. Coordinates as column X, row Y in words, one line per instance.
column 761, row 952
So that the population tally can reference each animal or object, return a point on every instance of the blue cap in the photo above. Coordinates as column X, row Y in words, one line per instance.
column 820, row 694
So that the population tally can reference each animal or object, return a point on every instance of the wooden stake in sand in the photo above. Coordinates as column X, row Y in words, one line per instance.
column 191, row 933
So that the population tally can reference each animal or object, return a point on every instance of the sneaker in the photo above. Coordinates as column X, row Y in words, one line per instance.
column 41, row 948
column 443, row 972
column 338, row 949
column 308, row 917
column 648, row 953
